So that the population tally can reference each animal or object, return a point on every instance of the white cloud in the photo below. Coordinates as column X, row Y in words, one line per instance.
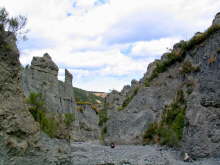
column 89, row 38
column 154, row 47
column 111, row 62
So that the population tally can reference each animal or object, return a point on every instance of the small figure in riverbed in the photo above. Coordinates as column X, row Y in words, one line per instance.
column 187, row 158
column 112, row 145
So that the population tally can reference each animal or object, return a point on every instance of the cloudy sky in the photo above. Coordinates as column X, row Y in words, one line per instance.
column 107, row 43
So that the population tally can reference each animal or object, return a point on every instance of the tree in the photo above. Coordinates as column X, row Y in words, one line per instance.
column 16, row 25
column 3, row 18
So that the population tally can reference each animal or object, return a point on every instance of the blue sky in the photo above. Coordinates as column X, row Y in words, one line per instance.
column 107, row 43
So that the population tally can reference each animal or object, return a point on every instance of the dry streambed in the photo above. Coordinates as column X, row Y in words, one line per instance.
column 95, row 154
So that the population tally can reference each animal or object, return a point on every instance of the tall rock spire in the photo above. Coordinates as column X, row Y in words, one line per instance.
column 216, row 20
column 41, row 77
column 68, row 77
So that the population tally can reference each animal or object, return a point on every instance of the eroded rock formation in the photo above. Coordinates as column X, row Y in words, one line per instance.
column 41, row 77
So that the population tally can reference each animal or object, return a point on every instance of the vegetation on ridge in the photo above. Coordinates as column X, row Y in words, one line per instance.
column 177, row 55
column 83, row 96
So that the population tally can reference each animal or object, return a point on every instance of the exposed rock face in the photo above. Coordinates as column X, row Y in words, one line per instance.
column 202, row 94
column 201, row 136
column 20, row 140
column 127, row 126
column 115, row 99
column 41, row 77
column 12, row 108
column 86, row 126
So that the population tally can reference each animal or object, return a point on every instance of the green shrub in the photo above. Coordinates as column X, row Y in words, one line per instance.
column 36, row 108
column 103, row 134
column 104, row 130
column 162, row 66
column 180, row 100
column 169, row 130
column 103, row 117
column 147, row 83
column 120, row 108
column 178, row 124
column 36, row 105
column 151, row 131
column 172, row 57
column 187, row 67
column 126, row 102
column 189, row 87
column 167, row 136
column 68, row 118
column 49, row 125
column 197, row 39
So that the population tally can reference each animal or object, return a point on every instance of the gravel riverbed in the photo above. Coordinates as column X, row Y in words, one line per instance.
column 96, row 154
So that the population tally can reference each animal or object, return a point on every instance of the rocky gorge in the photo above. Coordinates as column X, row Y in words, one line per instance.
column 193, row 75
column 172, row 110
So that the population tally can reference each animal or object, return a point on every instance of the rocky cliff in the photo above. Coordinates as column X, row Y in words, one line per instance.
column 21, row 142
column 86, row 124
column 41, row 77
column 192, row 67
